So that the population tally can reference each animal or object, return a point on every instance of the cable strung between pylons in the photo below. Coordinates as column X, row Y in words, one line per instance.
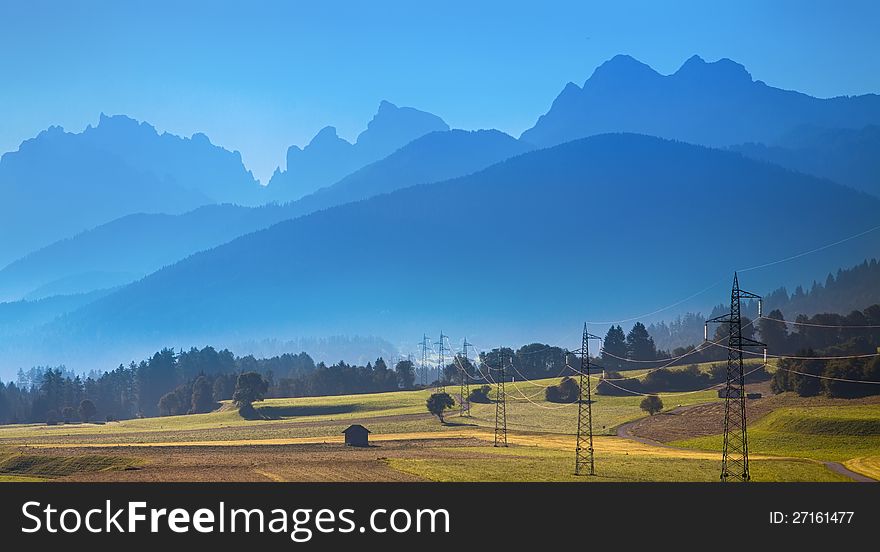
column 837, row 326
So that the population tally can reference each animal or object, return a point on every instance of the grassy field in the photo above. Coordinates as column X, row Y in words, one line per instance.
column 522, row 463
column 300, row 440
column 327, row 416
column 18, row 465
column 839, row 433
column 866, row 465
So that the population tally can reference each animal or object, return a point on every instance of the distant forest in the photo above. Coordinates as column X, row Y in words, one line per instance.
column 850, row 289
column 855, row 335
column 195, row 381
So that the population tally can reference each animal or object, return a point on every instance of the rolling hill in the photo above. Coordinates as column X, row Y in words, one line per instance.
column 847, row 156
column 127, row 249
column 599, row 228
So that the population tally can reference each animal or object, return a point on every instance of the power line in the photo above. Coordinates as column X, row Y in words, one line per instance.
column 658, row 311
column 783, row 357
column 756, row 267
column 838, row 326
column 816, row 250
column 464, row 387
column 846, row 380
column 711, row 387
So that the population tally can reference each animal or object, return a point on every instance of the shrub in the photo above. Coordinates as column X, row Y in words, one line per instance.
column 67, row 414
column 87, row 410
column 438, row 402
column 480, row 395
column 651, row 404
column 621, row 386
column 568, row 391
column 250, row 388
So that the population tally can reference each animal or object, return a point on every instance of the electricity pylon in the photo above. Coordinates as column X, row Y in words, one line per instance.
column 735, row 459
column 464, row 384
column 441, row 388
column 424, row 346
column 500, row 404
column 583, row 455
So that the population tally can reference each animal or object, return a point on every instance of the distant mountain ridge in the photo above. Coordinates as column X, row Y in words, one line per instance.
column 847, row 156
column 133, row 246
column 328, row 158
column 58, row 184
column 127, row 249
column 714, row 104
column 491, row 254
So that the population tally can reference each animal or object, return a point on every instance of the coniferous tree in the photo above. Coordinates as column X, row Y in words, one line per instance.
column 614, row 347
column 640, row 345
column 406, row 374
column 774, row 334
column 202, row 395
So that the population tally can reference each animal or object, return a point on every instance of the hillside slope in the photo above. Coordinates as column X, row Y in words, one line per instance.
column 126, row 249
column 58, row 183
column 527, row 249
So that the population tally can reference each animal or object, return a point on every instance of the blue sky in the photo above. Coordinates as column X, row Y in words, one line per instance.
column 258, row 76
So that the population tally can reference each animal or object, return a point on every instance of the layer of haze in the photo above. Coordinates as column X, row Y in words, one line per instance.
column 260, row 76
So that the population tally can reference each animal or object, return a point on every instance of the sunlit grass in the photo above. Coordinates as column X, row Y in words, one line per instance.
column 535, row 464
column 834, row 433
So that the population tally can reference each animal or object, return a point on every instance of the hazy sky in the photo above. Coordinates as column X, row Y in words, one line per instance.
column 259, row 76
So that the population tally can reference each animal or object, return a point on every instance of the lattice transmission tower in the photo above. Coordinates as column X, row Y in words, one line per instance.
column 583, row 456
column 500, row 404
column 735, row 458
column 441, row 363
column 464, row 384
column 424, row 345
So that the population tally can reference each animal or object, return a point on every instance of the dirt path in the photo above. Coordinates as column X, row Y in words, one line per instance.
column 846, row 472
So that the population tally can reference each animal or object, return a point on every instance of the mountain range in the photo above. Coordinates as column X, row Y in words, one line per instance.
column 328, row 158
column 60, row 183
column 127, row 240
column 542, row 241
column 713, row 104
column 133, row 246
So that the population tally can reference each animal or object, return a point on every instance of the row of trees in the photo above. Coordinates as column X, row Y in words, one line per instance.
column 533, row 361
column 635, row 345
column 193, row 381
column 847, row 290
column 665, row 380
column 800, row 376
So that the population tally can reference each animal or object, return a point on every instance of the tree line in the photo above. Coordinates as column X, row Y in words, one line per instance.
column 847, row 290
column 827, row 335
column 193, row 381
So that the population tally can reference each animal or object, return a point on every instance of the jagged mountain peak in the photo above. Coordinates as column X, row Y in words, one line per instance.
column 714, row 103
column 328, row 158
column 622, row 67
column 722, row 71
